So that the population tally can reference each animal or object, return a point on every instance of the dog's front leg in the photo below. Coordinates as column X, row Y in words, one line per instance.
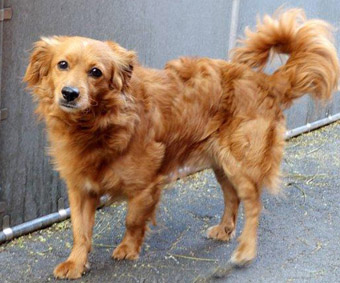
column 141, row 208
column 83, row 206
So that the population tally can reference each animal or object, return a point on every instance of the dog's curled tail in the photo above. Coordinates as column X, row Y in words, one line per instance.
column 313, row 65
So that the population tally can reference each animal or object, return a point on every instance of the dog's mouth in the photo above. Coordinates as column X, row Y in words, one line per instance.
column 68, row 105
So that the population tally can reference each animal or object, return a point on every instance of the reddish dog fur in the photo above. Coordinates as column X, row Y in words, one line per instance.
column 131, row 129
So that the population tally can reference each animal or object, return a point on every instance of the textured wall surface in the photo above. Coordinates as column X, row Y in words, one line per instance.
column 157, row 30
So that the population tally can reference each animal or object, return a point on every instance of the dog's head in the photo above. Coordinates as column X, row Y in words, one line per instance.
column 75, row 73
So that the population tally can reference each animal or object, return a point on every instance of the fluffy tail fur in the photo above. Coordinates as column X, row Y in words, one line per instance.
column 313, row 65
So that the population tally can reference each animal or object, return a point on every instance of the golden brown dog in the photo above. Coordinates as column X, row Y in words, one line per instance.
column 118, row 128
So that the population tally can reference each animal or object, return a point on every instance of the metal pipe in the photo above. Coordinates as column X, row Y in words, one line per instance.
column 45, row 221
column 312, row 126
column 33, row 225
column 41, row 222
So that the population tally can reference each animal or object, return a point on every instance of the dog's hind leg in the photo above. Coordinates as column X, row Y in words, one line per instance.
column 249, row 194
column 141, row 209
column 226, row 229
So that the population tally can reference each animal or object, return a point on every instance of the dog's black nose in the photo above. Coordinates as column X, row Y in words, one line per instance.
column 70, row 93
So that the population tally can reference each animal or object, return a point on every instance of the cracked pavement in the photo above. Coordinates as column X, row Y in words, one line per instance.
column 299, row 231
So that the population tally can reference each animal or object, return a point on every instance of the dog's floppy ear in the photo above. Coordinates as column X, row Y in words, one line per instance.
column 123, row 62
column 40, row 60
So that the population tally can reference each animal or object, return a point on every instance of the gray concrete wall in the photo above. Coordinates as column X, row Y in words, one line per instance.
column 157, row 30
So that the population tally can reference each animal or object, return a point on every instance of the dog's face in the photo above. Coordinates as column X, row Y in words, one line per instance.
column 75, row 73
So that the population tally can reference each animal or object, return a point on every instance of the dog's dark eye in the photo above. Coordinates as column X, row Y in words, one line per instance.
column 95, row 72
column 62, row 65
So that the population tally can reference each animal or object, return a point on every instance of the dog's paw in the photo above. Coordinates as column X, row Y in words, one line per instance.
column 124, row 251
column 244, row 254
column 70, row 270
column 220, row 232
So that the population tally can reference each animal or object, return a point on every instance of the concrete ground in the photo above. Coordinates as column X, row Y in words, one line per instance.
column 299, row 233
